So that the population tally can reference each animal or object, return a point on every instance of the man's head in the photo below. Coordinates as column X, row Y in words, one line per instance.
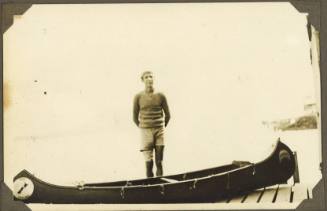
column 147, row 78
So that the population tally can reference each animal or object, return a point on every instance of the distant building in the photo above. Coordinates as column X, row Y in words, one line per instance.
column 310, row 106
column 310, row 109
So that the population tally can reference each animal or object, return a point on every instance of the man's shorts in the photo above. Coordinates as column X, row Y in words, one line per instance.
column 151, row 137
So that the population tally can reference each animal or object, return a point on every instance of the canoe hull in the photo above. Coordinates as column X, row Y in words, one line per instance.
column 210, row 187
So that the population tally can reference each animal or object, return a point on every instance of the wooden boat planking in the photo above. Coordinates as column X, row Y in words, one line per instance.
column 206, row 185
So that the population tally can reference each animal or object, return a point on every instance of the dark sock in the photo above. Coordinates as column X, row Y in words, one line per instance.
column 149, row 166
column 159, row 157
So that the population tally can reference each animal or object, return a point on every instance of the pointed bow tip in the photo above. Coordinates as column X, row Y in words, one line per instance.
column 22, row 173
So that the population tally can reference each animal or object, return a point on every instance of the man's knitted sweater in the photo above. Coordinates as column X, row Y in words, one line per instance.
column 150, row 110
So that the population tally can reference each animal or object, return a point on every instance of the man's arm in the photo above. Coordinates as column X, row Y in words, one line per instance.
column 165, row 109
column 136, row 110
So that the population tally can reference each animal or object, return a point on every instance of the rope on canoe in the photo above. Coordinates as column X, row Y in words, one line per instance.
column 193, row 187
column 254, row 172
column 128, row 183
column 122, row 192
column 162, row 191
column 194, row 183
column 228, row 182
column 184, row 176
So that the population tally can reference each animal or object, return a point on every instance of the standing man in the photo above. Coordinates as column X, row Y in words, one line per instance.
column 151, row 115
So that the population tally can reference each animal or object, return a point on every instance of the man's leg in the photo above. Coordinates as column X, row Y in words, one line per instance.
column 147, row 149
column 148, row 162
column 159, row 157
column 159, row 150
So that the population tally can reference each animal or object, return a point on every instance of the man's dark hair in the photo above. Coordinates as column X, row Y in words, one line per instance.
column 146, row 72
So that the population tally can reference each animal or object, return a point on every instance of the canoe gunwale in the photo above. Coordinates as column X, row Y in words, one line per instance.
column 136, row 186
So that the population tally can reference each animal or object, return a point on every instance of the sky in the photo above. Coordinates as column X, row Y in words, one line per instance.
column 73, row 71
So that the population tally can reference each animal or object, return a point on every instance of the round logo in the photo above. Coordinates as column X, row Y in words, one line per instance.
column 23, row 188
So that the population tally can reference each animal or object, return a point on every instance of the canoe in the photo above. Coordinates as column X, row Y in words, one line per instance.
column 207, row 185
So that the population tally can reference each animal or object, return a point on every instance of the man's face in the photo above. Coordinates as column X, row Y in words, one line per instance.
column 148, row 79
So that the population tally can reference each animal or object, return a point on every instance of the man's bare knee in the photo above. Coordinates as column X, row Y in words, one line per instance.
column 148, row 155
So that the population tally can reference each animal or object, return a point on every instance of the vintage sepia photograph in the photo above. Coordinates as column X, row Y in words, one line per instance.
column 162, row 106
